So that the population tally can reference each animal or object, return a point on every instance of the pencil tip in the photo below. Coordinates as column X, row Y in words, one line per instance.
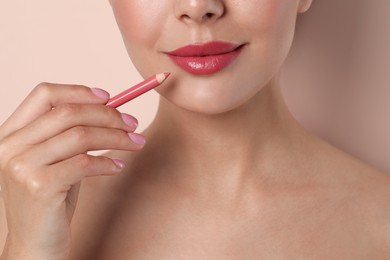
column 162, row 76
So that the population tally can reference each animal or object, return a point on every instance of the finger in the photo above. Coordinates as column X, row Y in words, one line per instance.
column 44, row 97
column 66, row 116
column 82, row 139
column 61, row 176
column 73, row 170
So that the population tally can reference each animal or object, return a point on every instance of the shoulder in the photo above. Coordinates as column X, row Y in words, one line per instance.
column 364, row 192
column 3, row 224
column 369, row 202
column 378, row 204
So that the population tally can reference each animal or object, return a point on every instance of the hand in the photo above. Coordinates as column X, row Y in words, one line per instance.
column 43, row 159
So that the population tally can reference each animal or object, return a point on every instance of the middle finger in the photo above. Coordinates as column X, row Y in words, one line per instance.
column 81, row 139
column 67, row 116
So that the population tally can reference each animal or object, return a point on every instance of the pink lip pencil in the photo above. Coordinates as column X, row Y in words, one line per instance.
column 137, row 90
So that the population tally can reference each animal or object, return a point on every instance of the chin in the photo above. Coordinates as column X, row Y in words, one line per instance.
column 202, row 102
column 206, row 108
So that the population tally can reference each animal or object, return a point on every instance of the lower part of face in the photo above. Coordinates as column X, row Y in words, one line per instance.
column 265, row 29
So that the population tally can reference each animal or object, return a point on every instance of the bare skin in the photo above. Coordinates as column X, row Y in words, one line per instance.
column 226, row 172
column 297, row 197
column 300, row 199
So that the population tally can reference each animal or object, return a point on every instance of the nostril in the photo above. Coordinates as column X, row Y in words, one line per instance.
column 205, row 17
column 199, row 11
column 185, row 17
column 209, row 15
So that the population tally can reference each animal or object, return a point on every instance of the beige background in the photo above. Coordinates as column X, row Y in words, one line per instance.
column 336, row 79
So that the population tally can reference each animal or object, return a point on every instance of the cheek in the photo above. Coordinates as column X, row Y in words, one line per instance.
column 266, row 16
column 270, row 27
column 271, row 24
column 141, row 24
column 138, row 20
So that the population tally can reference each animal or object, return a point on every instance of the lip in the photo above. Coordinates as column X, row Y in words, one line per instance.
column 205, row 58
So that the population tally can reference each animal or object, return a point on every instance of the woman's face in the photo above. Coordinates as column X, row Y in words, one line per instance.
column 207, row 76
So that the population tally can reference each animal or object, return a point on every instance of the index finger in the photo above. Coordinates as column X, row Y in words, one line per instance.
column 44, row 97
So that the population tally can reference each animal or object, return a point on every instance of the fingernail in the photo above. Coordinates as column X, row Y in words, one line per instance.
column 100, row 93
column 130, row 120
column 137, row 138
column 120, row 164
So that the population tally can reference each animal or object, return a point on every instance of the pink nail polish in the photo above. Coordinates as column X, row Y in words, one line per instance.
column 137, row 138
column 130, row 121
column 100, row 93
column 119, row 163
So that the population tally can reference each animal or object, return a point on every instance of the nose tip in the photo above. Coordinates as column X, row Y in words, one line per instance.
column 200, row 11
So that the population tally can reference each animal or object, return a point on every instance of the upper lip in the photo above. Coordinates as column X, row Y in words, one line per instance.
column 205, row 49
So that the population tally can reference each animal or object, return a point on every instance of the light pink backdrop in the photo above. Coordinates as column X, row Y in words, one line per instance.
column 336, row 79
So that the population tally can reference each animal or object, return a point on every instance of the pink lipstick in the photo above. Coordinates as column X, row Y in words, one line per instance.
column 205, row 58
column 137, row 90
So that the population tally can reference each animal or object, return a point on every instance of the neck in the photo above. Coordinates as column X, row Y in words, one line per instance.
column 231, row 145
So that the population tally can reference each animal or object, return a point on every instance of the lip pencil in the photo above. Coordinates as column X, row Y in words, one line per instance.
column 137, row 90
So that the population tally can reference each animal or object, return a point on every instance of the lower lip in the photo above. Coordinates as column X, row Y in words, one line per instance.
column 205, row 65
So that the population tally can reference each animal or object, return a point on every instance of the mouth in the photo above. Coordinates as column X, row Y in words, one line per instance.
column 205, row 58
